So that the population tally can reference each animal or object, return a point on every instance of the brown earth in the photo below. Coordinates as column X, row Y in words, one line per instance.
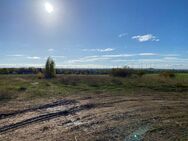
column 103, row 117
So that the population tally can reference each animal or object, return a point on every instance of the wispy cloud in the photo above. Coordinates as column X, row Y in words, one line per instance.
column 124, row 58
column 100, row 50
column 178, row 63
column 16, row 55
column 88, row 59
column 84, row 66
column 147, row 54
column 161, row 60
column 33, row 57
column 100, row 58
column 106, row 50
column 119, row 55
column 170, row 58
column 145, row 38
column 20, row 65
column 57, row 56
column 171, row 55
column 51, row 50
column 25, row 56
column 122, row 35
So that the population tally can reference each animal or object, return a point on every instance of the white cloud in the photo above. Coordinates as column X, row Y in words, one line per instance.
column 100, row 58
column 122, row 35
column 34, row 57
column 51, row 50
column 100, row 50
column 106, row 50
column 58, row 56
column 170, row 58
column 171, row 55
column 163, row 63
column 107, row 57
column 124, row 60
column 120, row 60
column 112, row 61
column 88, row 59
column 16, row 55
column 28, row 57
column 147, row 54
column 20, row 65
column 119, row 55
column 84, row 66
column 146, row 37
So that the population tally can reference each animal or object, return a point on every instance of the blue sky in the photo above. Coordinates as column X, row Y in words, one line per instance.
column 94, row 33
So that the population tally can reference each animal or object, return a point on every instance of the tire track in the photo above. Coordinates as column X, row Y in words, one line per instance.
column 45, row 117
column 40, row 107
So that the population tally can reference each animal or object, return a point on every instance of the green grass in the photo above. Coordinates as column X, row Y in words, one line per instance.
column 27, row 87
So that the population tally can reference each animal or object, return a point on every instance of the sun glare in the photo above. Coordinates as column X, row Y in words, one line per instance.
column 49, row 7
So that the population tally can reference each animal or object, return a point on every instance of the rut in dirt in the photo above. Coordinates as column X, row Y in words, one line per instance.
column 45, row 117
column 40, row 107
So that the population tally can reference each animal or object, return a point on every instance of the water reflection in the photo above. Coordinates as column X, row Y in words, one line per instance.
column 137, row 135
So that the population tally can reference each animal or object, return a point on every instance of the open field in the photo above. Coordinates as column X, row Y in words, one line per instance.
column 94, row 107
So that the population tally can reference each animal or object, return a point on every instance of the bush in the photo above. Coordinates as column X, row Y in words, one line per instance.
column 122, row 72
column 40, row 75
column 116, row 82
column 140, row 73
column 4, row 71
column 167, row 75
column 22, row 88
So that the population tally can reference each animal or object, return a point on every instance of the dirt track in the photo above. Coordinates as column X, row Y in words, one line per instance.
column 102, row 117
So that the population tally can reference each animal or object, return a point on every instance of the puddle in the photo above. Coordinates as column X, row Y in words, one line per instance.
column 56, row 109
column 137, row 135
column 76, row 123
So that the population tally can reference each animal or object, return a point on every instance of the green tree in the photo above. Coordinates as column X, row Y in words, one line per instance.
column 50, row 71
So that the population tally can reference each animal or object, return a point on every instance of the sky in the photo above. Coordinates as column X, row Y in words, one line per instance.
column 94, row 33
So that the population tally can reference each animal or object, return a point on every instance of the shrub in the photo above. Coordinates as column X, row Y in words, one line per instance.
column 40, row 75
column 121, row 72
column 22, row 88
column 4, row 71
column 172, row 75
column 116, row 82
column 167, row 75
column 140, row 73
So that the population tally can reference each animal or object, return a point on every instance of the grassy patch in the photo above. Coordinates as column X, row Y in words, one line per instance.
column 29, row 87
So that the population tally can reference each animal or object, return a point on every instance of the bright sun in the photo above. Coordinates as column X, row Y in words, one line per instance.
column 49, row 7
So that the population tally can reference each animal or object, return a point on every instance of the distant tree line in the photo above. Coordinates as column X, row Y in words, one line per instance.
column 50, row 71
column 57, row 71
column 20, row 70
column 32, row 70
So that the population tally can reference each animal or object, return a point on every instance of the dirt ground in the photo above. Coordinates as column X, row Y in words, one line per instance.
column 150, row 117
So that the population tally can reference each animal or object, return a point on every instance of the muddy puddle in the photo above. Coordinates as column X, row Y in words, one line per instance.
column 138, row 134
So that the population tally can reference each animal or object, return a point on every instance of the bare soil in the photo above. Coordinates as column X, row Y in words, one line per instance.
column 102, row 117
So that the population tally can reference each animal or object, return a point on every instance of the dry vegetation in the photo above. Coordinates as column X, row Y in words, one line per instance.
column 101, row 107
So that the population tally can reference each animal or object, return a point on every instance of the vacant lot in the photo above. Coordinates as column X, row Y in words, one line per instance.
column 81, row 107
